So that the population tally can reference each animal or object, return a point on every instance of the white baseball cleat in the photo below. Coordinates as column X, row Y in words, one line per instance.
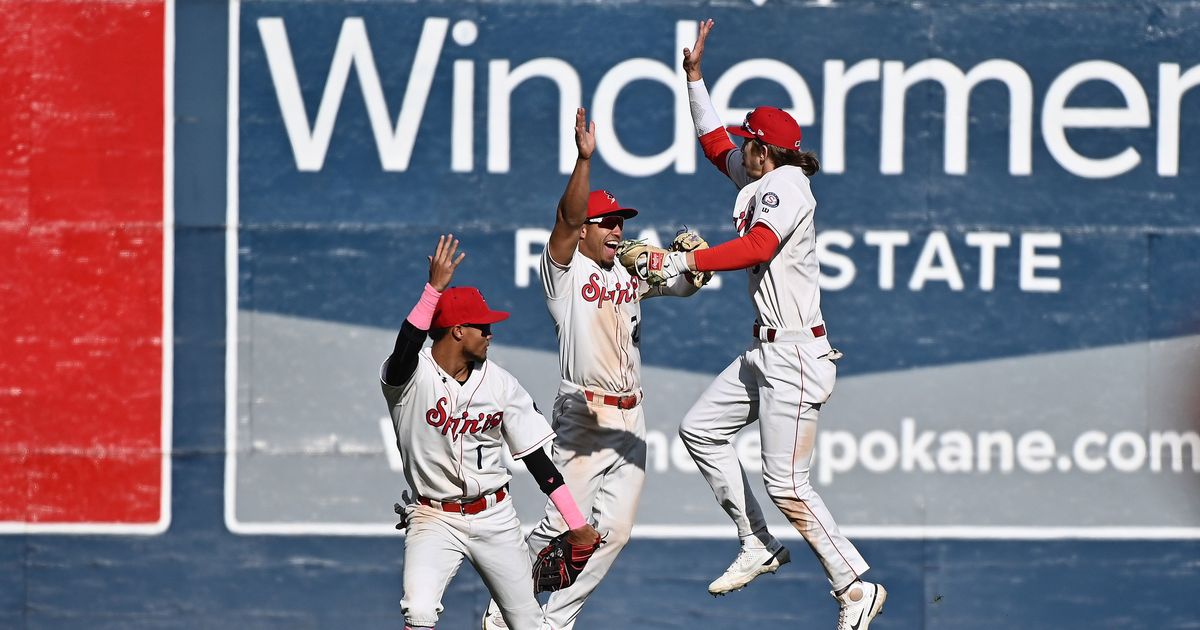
column 492, row 619
column 750, row 563
column 857, row 614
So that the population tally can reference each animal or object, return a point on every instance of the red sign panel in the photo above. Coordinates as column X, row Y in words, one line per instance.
column 83, row 413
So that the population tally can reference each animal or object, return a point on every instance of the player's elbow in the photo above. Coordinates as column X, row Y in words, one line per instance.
column 617, row 535
column 573, row 220
column 760, row 257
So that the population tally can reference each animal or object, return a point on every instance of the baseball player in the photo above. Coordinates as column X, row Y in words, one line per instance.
column 596, row 306
column 453, row 410
column 788, row 372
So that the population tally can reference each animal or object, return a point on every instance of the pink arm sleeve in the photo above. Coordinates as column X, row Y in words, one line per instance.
column 422, row 314
column 562, row 499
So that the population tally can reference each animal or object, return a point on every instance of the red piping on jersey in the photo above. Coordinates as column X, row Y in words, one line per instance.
column 461, row 472
column 755, row 248
column 716, row 145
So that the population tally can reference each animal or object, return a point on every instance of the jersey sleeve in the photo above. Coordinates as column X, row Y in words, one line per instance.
column 396, row 394
column 735, row 169
column 782, row 206
column 556, row 278
column 524, row 427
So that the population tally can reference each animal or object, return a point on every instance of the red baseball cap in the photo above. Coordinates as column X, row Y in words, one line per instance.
column 770, row 125
column 464, row 305
column 602, row 202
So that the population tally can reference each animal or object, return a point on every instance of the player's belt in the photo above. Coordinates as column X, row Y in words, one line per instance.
column 763, row 333
column 467, row 507
column 628, row 401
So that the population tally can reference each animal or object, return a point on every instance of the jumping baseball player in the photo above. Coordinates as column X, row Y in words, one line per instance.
column 600, row 443
column 453, row 411
column 788, row 372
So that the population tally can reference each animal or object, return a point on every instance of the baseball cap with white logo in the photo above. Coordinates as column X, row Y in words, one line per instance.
column 770, row 125
column 603, row 203
column 464, row 305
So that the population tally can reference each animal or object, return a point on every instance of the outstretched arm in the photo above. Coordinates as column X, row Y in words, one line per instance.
column 659, row 267
column 756, row 247
column 572, row 208
column 713, row 140
column 403, row 361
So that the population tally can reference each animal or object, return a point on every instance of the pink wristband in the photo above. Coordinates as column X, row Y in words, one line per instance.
column 562, row 499
column 422, row 314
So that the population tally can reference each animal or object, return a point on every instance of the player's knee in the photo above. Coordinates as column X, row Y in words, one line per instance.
column 788, row 487
column 692, row 434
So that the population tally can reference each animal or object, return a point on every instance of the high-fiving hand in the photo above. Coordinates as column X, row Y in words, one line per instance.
column 692, row 56
column 585, row 134
column 443, row 262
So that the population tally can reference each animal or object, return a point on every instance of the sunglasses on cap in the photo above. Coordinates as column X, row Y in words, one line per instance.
column 484, row 329
column 609, row 222
column 751, row 130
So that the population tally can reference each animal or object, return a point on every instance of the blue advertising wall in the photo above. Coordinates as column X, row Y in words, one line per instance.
column 345, row 245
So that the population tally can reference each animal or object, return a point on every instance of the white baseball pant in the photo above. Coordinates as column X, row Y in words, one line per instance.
column 781, row 384
column 601, row 452
column 436, row 543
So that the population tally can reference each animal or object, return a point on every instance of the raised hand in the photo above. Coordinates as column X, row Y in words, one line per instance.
column 692, row 56
column 443, row 262
column 585, row 134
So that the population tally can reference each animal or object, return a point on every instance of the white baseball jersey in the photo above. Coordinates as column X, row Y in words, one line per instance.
column 597, row 316
column 450, row 435
column 784, row 290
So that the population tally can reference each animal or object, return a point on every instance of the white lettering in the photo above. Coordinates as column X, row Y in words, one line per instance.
column 1176, row 442
column 1056, row 117
column 838, row 83
column 763, row 69
column 501, row 84
column 915, row 451
column 462, row 122
column 657, row 451
column 1035, row 451
column 682, row 152
column 936, row 262
column 310, row 144
column 1119, row 444
column 1171, row 88
column 878, row 451
column 956, row 453
column 841, row 263
column 886, row 241
column 957, row 88
column 526, row 259
column 1086, row 462
column 1000, row 441
column 987, row 242
column 836, row 454
column 1031, row 261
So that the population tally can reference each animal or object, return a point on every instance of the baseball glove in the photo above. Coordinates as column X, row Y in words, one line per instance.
column 653, row 264
column 687, row 241
column 560, row 563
